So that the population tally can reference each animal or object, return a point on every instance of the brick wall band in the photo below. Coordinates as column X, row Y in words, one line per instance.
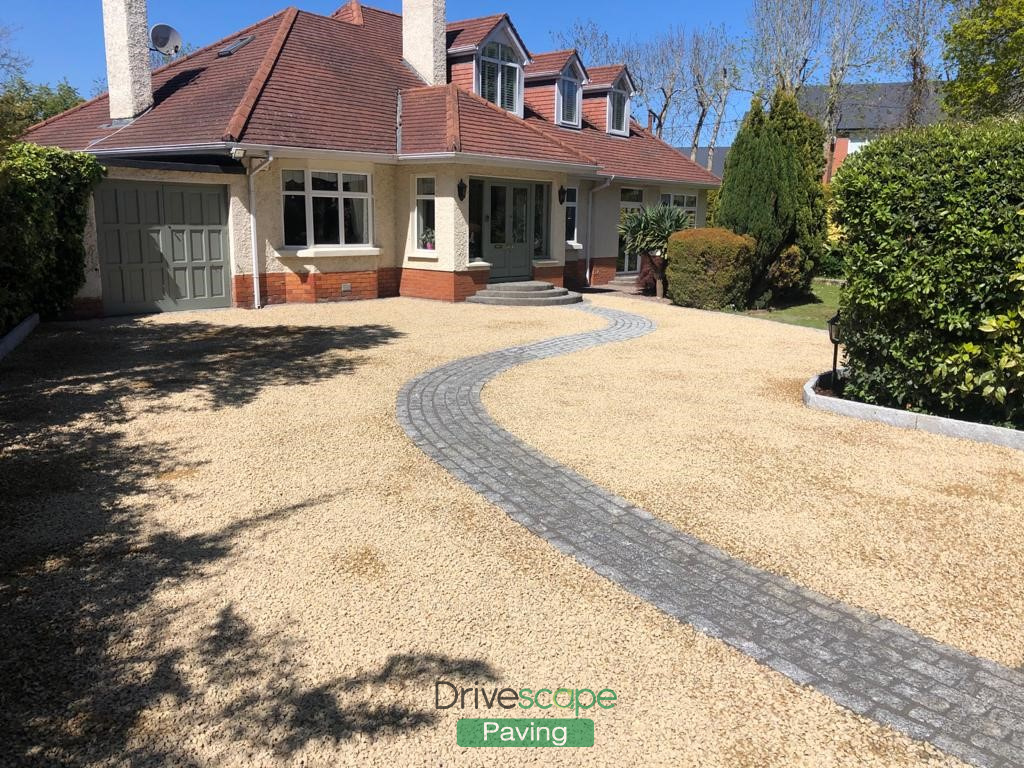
column 553, row 274
column 442, row 286
column 306, row 287
column 602, row 271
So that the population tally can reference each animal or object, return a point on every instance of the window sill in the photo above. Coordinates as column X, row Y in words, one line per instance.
column 572, row 245
column 481, row 265
column 546, row 263
column 329, row 251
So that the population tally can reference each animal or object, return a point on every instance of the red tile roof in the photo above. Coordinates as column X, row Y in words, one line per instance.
column 333, row 82
column 550, row 64
column 195, row 99
column 640, row 156
column 605, row 75
column 469, row 33
column 448, row 119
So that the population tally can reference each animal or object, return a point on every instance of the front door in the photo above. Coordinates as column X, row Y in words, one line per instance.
column 506, row 230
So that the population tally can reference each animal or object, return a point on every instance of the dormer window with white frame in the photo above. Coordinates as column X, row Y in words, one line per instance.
column 501, row 76
column 569, row 97
column 618, row 110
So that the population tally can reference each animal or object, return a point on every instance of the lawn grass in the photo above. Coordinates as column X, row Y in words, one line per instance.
column 811, row 314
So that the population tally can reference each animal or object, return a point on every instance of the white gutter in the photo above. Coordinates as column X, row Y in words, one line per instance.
column 256, row 298
column 590, row 220
column 175, row 149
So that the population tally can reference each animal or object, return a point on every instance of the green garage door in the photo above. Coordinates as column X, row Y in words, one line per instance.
column 162, row 247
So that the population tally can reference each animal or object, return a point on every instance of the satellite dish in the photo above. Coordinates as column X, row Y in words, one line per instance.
column 165, row 39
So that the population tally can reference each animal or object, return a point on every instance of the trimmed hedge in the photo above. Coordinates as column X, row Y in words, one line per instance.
column 44, row 204
column 710, row 268
column 933, row 251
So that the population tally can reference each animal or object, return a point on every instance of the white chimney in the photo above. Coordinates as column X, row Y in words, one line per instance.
column 125, row 31
column 424, row 39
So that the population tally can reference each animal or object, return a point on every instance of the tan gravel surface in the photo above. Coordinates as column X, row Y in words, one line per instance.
column 220, row 549
column 702, row 424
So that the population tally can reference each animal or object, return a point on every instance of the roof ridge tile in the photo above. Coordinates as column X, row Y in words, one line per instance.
column 236, row 125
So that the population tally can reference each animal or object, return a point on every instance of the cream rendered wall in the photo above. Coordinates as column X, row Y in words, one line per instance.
column 452, row 215
column 606, row 210
column 275, row 258
column 238, row 217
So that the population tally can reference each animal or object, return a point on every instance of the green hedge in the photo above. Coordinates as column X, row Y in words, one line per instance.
column 44, row 204
column 933, row 253
column 710, row 268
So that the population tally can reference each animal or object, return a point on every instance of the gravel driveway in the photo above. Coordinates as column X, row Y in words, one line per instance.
column 220, row 549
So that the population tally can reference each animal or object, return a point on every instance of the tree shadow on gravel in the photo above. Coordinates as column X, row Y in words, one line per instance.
column 272, row 712
column 79, row 555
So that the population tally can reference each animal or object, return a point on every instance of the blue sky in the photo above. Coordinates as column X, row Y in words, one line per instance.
column 64, row 38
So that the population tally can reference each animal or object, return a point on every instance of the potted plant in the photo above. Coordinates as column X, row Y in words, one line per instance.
column 646, row 232
column 427, row 240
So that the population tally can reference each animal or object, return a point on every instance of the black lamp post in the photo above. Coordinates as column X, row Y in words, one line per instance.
column 835, row 335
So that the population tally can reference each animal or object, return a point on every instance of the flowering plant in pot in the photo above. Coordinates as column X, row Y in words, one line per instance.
column 427, row 240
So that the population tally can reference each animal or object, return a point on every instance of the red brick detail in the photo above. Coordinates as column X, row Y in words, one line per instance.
column 842, row 149
column 460, row 73
column 388, row 281
column 554, row 275
column 306, row 287
column 576, row 274
column 602, row 271
column 85, row 309
column 443, row 286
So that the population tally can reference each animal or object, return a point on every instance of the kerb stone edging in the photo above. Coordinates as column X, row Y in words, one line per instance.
column 965, row 430
column 19, row 333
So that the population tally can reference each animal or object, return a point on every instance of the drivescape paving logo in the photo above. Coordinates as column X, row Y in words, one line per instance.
column 544, row 731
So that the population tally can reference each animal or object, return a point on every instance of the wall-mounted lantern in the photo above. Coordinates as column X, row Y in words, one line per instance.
column 561, row 195
column 462, row 189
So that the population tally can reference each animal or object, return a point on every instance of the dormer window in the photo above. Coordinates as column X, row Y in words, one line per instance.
column 501, row 76
column 618, row 112
column 569, row 97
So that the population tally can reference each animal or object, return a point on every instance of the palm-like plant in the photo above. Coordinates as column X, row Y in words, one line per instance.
column 645, row 233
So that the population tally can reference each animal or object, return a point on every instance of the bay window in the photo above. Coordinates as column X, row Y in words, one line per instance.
column 325, row 208
column 425, row 213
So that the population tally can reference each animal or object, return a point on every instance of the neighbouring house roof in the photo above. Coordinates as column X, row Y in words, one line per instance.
column 717, row 162
column 869, row 109
column 308, row 81
column 551, row 64
column 471, row 124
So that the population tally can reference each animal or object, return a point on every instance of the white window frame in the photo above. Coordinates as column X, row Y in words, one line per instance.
column 309, row 193
column 414, row 228
column 673, row 199
column 569, row 76
column 575, row 204
column 613, row 129
column 501, row 63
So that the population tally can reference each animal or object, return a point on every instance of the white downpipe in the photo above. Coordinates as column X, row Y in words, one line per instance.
column 257, row 300
column 590, row 221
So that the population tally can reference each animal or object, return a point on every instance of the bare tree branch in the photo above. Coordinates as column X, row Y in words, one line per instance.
column 787, row 37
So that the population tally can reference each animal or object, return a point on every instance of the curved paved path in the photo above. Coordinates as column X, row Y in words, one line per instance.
column 966, row 706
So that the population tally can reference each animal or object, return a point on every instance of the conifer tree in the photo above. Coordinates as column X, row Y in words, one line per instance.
column 772, row 191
